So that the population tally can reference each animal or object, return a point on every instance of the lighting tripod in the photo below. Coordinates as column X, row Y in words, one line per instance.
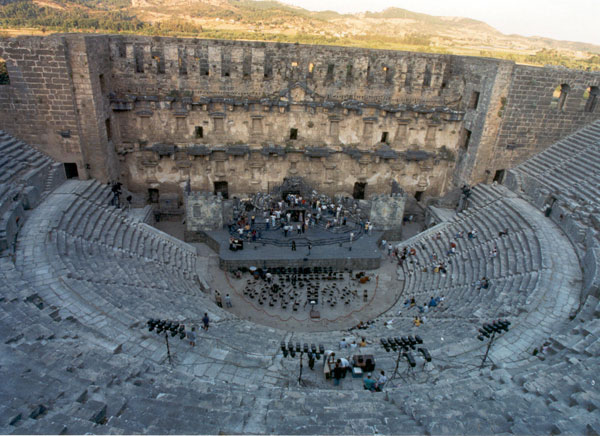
column 404, row 346
column 490, row 331
column 291, row 351
column 167, row 327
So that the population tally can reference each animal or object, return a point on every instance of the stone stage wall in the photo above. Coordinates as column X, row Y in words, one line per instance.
column 238, row 117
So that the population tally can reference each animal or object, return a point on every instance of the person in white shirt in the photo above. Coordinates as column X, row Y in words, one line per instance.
column 381, row 381
column 345, row 366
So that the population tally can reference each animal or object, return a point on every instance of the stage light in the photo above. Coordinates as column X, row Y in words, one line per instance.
column 410, row 358
column 167, row 327
column 425, row 354
column 490, row 331
column 291, row 350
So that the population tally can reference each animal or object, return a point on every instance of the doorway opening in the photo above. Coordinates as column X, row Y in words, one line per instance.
column 499, row 176
column 153, row 195
column 71, row 170
column 359, row 191
column 223, row 188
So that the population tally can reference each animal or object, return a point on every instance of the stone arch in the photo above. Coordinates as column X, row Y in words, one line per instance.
column 590, row 98
column 559, row 96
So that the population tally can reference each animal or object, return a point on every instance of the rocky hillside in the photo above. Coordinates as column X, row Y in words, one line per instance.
column 393, row 28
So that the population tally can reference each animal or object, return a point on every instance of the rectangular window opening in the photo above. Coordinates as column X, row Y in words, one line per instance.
column 384, row 137
column 466, row 138
column 102, row 84
column 419, row 195
column 108, row 129
column 499, row 176
column 268, row 71
column 199, row 132
column 559, row 96
column 293, row 134
column 591, row 98
column 388, row 75
column 427, row 78
column 153, row 195
column 474, row 102
column 203, row 65
column 138, row 54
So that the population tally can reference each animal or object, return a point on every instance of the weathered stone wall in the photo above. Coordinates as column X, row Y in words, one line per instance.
column 90, row 66
column 491, row 79
column 38, row 106
column 530, row 121
column 250, row 114
column 204, row 212
column 387, row 212
column 143, row 65
column 155, row 112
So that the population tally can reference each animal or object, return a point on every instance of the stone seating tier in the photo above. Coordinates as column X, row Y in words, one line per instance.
column 525, row 285
column 79, row 359
column 56, row 384
column 26, row 176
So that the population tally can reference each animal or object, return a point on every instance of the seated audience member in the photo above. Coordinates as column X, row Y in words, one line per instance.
column 381, row 381
column 369, row 383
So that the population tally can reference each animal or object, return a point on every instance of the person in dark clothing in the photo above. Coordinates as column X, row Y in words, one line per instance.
column 293, row 245
column 337, row 372
column 205, row 321
column 311, row 361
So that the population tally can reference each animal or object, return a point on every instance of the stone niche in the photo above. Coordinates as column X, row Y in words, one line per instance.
column 387, row 212
column 204, row 212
